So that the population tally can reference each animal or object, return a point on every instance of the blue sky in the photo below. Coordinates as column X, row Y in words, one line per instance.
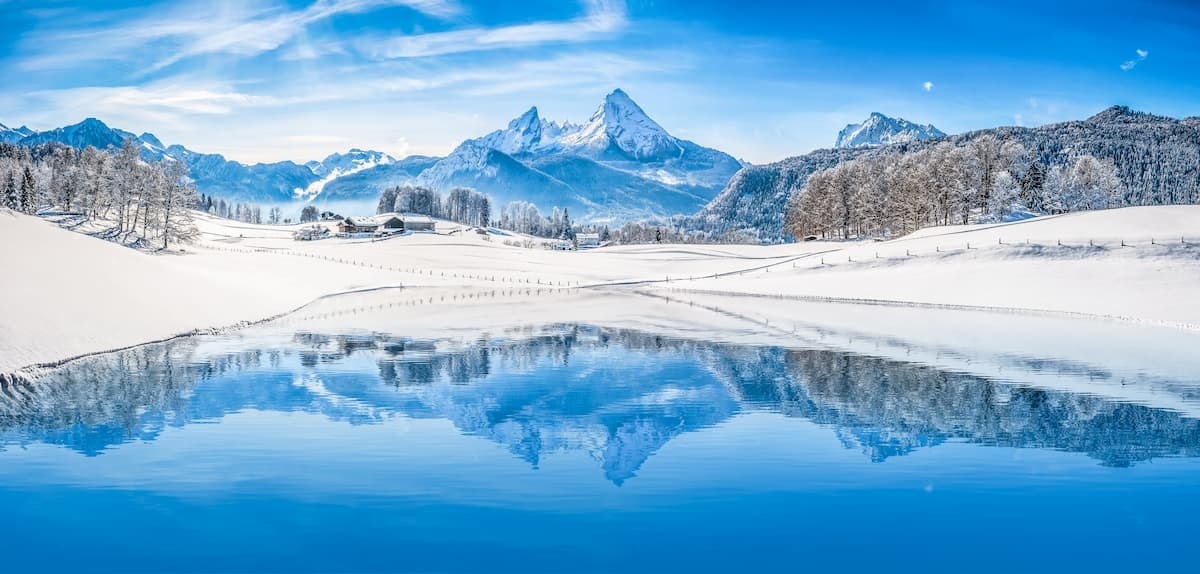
column 266, row 80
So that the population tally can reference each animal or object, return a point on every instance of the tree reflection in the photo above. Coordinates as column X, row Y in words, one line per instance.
column 617, row 395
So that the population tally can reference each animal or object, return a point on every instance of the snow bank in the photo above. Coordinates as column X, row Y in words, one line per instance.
column 66, row 294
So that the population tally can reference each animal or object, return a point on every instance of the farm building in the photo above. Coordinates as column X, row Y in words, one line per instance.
column 311, row 233
column 587, row 240
column 360, row 225
column 416, row 222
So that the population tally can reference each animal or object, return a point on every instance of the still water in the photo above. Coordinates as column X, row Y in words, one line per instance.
column 575, row 447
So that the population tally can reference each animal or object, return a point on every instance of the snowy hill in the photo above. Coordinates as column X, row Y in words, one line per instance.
column 879, row 130
column 1155, row 157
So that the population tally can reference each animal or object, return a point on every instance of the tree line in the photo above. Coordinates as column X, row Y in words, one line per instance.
column 143, row 201
column 462, row 205
column 985, row 179
column 244, row 212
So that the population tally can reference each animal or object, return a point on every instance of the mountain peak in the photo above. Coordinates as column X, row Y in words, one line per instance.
column 526, row 122
column 523, row 134
column 620, row 97
column 879, row 129
column 1126, row 115
column 618, row 106
column 620, row 125
column 91, row 123
column 152, row 140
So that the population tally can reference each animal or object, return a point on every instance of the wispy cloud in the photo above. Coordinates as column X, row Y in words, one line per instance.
column 164, row 103
column 199, row 28
column 927, row 86
column 601, row 17
column 1131, row 64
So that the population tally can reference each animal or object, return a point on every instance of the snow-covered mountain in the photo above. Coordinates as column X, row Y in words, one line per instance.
column 879, row 129
column 215, row 175
column 339, row 165
column 1155, row 157
column 618, row 165
column 14, row 135
column 89, row 132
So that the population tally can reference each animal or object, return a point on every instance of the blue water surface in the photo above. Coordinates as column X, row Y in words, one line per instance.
column 574, row 448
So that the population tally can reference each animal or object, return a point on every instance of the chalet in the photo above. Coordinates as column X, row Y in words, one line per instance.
column 361, row 225
column 417, row 222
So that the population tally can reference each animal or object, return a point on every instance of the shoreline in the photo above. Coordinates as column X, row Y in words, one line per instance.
column 76, row 296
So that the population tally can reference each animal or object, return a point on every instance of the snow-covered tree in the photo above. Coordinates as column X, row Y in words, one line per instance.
column 387, row 200
column 309, row 214
column 12, row 194
column 29, row 201
column 1005, row 196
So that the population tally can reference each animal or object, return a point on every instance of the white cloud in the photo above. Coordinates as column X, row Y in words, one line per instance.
column 1019, row 119
column 198, row 28
column 402, row 146
column 171, row 97
column 927, row 86
column 601, row 17
column 1131, row 64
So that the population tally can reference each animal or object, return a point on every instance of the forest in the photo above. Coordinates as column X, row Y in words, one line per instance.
column 137, row 203
column 987, row 179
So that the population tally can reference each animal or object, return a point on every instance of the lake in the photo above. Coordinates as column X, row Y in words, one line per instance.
column 412, row 431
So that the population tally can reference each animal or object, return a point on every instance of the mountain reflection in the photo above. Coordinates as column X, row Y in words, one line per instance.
column 617, row 395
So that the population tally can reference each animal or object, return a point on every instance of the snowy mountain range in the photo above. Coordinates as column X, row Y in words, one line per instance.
column 1155, row 157
column 618, row 165
column 14, row 135
column 213, row 174
column 879, row 130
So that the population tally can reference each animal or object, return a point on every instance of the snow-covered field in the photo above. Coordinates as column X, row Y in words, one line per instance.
column 66, row 294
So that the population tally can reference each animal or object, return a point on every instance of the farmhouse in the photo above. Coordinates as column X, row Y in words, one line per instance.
column 587, row 240
column 359, row 225
column 416, row 222
column 311, row 233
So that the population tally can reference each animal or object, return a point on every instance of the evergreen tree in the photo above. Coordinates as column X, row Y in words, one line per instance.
column 12, row 197
column 29, row 203
column 568, row 232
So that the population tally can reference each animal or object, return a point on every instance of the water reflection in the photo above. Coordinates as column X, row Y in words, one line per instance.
column 619, row 395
